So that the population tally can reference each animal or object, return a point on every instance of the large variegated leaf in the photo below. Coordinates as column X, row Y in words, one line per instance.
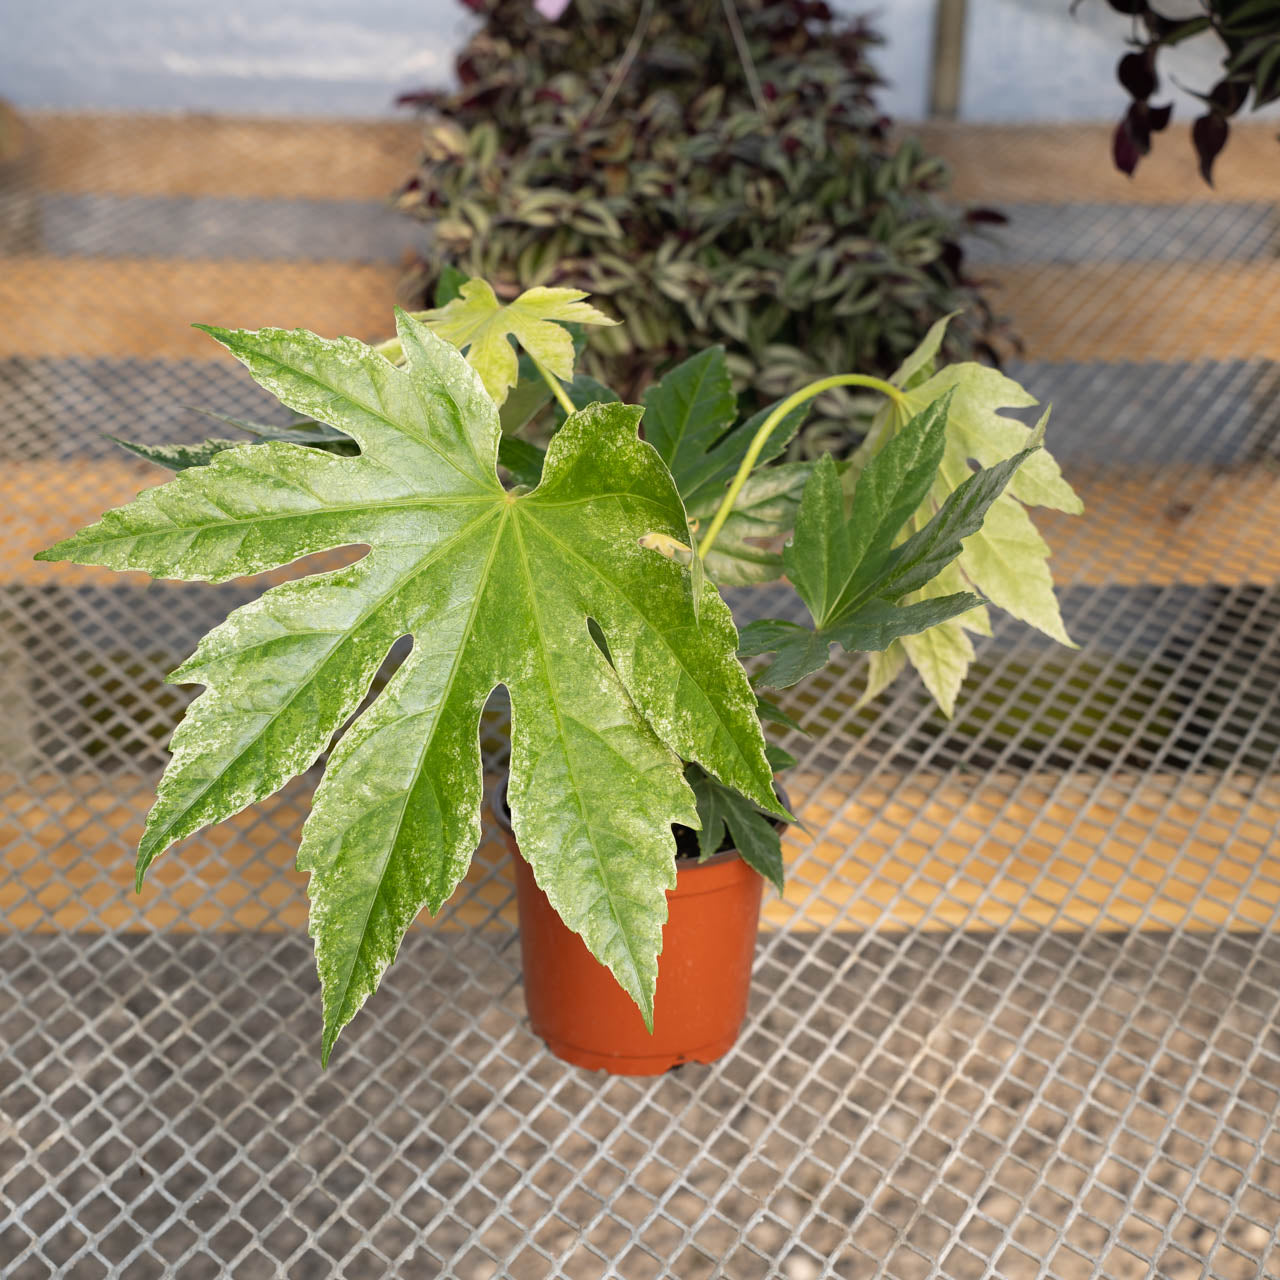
column 857, row 580
column 1007, row 560
column 494, row 588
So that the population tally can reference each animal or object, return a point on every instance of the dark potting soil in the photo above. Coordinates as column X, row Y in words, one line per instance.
column 687, row 842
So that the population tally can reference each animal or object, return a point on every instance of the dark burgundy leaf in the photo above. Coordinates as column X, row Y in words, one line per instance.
column 1129, row 7
column 418, row 98
column 1137, row 74
column 1123, row 151
column 1137, row 123
column 952, row 258
column 1228, row 97
column 986, row 215
column 1158, row 117
column 1209, row 134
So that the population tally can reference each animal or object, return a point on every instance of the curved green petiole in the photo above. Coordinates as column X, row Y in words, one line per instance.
column 770, row 424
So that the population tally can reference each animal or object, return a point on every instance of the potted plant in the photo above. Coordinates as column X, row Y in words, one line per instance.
column 583, row 578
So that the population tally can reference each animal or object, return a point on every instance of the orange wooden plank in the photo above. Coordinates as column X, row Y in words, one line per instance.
column 1034, row 852
column 1172, row 311
column 894, row 853
column 131, row 154
column 1190, row 525
column 1161, row 526
column 53, row 307
column 1060, row 163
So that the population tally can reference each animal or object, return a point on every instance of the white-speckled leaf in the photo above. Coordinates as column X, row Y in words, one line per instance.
column 494, row 589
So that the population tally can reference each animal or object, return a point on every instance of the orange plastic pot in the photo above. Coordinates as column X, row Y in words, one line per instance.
column 704, row 973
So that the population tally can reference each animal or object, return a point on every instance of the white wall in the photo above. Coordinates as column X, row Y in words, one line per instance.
column 305, row 57
column 906, row 56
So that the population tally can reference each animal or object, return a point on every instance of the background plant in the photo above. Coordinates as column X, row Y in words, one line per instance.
column 713, row 175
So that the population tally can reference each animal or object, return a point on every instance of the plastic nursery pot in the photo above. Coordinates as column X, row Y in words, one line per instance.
column 704, row 972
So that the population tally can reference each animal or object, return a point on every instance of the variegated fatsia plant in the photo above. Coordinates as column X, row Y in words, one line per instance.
column 583, row 577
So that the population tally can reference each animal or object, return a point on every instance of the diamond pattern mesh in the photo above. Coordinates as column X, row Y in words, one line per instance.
column 1016, row 1016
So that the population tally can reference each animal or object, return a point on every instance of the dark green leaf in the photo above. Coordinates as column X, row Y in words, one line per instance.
column 687, row 412
column 689, row 418
column 819, row 556
column 528, row 398
column 846, row 570
column 724, row 457
column 585, row 390
column 833, row 559
column 449, row 285
column 755, row 837
column 925, row 554
column 746, row 551
column 798, row 651
column 722, row 810
column 772, row 712
column 300, row 431
column 875, row 625
column 178, row 457
column 708, row 795
column 889, row 490
column 522, row 458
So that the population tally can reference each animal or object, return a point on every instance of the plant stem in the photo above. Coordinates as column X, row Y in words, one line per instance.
column 624, row 63
column 741, row 44
column 557, row 388
column 770, row 424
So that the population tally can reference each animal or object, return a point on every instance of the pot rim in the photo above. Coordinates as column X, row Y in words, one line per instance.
column 498, row 803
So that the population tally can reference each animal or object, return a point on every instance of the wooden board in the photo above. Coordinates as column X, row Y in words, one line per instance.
column 144, row 307
column 889, row 853
column 223, row 156
column 1185, row 524
column 1168, row 311
column 1061, row 163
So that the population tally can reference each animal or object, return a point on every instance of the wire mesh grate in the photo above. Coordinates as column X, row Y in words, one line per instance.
column 1015, row 1017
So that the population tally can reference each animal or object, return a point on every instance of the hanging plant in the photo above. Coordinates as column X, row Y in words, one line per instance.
column 1249, row 31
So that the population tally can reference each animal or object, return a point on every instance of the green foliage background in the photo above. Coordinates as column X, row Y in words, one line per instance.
column 621, row 151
